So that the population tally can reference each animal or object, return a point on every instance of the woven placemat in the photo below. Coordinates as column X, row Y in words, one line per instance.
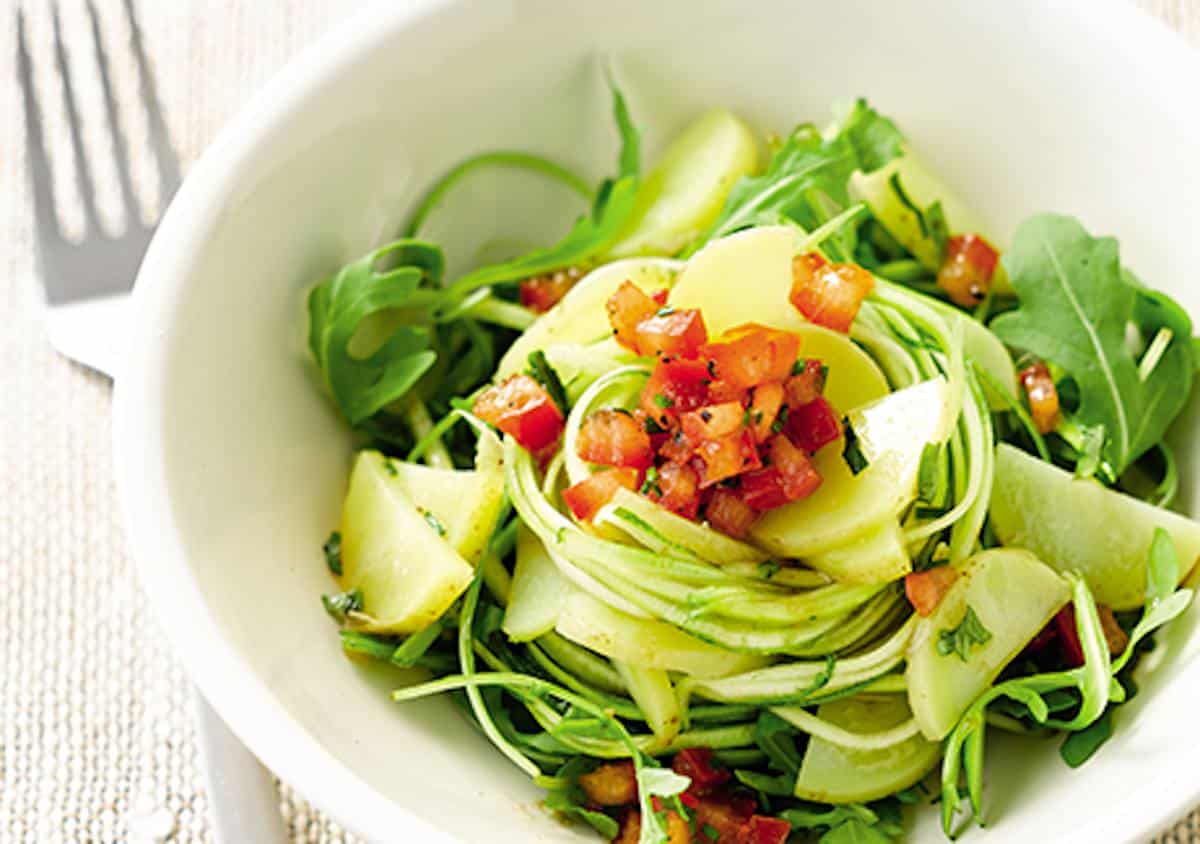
column 96, row 735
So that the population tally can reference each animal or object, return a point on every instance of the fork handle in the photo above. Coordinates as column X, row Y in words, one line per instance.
column 91, row 331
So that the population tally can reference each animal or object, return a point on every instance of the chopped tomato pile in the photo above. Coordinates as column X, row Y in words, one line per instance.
column 717, row 812
column 966, row 273
column 725, row 428
column 925, row 589
column 522, row 408
column 1061, row 637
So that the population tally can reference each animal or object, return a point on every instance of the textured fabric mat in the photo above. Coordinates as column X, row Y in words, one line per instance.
column 96, row 735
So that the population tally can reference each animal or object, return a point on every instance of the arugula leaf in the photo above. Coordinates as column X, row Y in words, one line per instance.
column 804, row 166
column 1162, row 568
column 333, row 552
column 662, row 783
column 405, row 278
column 781, row 785
column 777, row 738
column 1075, row 305
column 959, row 640
column 568, row 798
column 875, row 138
column 336, row 308
column 856, row 831
column 1078, row 747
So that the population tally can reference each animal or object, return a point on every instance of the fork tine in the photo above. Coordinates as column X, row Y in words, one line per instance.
column 160, row 138
column 83, row 173
column 39, row 161
column 120, row 147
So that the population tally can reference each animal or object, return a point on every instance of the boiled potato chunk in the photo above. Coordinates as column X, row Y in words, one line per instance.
column 878, row 556
column 684, row 192
column 923, row 188
column 646, row 643
column 1013, row 594
column 581, row 316
column 892, row 433
column 466, row 502
column 538, row 590
column 831, row 773
column 1079, row 525
column 743, row 277
column 407, row 573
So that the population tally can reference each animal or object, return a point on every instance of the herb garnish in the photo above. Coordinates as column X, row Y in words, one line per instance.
column 544, row 374
column 959, row 640
column 341, row 604
column 333, row 552
column 852, row 449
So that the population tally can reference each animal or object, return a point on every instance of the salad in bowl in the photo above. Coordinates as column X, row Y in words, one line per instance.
column 757, row 502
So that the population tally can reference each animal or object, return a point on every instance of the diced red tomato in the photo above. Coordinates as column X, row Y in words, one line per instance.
column 696, row 763
column 674, row 387
column 966, row 274
column 615, row 438
column 627, row 307
column 763, row 489
column 713, row 421
column 925, row 589
column 610, row 784
column 722, row 391
column 812, row 426
column 680, row 333
column 727, row 816
column 726, row 457
column 587, row 497
column 729, row 514
column 1042, row 396
column 750, row 355
column 767, row 830
column 828, row 294
column 521, row 407
column 1068, row 636
column 690, row 800
column 660, row 297
column 542, row 292
column 797, row 475
column 765, row 402
column 807, row 385
column 675, row 486
column 676, row 448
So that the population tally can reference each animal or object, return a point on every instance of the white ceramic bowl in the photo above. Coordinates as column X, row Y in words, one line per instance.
column 232, row 467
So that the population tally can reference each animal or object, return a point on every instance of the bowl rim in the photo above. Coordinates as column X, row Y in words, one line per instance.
column 234, row 690
column 225, row 679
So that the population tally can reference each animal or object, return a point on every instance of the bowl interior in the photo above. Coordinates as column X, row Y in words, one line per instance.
column 234, row 465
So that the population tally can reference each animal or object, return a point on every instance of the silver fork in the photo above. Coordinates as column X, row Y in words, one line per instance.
column 87, row 286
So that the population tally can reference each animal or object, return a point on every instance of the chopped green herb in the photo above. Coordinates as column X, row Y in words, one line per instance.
column 434, row 521
column 651, row 485
column 544, row 374
column 333, row 552
column 652, row 427
column 799, row 365
column 662, row 401
column 969, row 633
column 780, row 420
column 769, row 568
column 710, row 833
column 747, row 417
column 389, row 466
column 341, row 604
column 852, row 450
column 665, row 310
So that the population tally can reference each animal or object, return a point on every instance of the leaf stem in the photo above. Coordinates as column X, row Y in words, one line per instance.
column 500, row 312
column 428, row 435
column 499, row 158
